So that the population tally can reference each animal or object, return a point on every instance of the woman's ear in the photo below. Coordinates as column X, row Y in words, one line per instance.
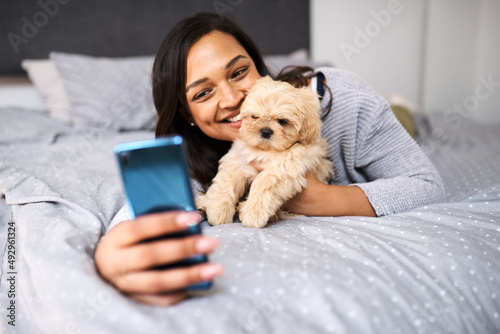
column 186, row 115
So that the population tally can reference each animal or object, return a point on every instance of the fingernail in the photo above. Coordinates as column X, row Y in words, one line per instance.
column 211, row 270
column 187, row 219
column 206, row 245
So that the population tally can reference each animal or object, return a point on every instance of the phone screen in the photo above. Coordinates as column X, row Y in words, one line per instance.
column 155, row 176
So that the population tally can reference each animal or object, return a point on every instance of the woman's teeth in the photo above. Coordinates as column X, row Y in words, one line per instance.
column 232, row 119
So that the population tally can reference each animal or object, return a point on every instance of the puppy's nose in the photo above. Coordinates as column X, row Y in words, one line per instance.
column 266, row 133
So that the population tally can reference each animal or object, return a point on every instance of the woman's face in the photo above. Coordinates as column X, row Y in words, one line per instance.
column 219, row 71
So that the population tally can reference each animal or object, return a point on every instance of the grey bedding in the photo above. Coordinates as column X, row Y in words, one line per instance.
column 435, row 269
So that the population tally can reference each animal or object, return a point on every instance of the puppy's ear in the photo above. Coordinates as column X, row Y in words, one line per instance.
column 311, row 125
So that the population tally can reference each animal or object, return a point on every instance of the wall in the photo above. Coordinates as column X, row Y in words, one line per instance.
column 436, row 53
column 451, row 52
column 488, row 58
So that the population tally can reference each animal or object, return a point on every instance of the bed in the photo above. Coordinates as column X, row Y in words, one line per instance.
column 434, row 269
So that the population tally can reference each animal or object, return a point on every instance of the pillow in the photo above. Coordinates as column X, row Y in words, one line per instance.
column 19, row 92
column 44, row 76
column 107, row 93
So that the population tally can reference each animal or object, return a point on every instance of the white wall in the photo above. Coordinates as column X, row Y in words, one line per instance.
column 389, row 59
column 451, row 53
column 488, row 58
column 435, row 53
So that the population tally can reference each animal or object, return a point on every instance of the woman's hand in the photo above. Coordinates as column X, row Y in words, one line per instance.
column 320, row 199
column 124, row 260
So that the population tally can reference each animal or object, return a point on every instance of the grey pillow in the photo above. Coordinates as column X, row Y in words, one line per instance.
column 108, row 93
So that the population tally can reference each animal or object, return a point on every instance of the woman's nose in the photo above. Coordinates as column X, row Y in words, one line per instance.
column 231, row 96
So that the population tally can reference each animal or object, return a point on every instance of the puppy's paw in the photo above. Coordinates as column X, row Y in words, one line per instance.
column 274, row 218
column 250, row 216
column 220, row 215
column 282, row 215
column 201, row 203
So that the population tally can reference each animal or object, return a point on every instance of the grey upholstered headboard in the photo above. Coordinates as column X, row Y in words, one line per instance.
column 118, row 28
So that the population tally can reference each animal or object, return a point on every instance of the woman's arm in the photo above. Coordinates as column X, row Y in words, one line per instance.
column 124, row 259
column 400, row 175
column 320, row 199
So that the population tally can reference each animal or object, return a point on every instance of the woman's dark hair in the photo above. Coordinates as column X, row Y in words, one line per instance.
column 298, row 76
column 169, row 92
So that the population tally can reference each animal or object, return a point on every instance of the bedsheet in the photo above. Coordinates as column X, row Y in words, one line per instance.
column 435, row 269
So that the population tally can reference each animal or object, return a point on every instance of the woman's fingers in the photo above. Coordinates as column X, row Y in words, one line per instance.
column 161, row 252
column 154, row 225
column 160, row 281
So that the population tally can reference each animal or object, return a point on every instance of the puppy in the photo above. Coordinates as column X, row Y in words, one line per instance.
column 279, row 143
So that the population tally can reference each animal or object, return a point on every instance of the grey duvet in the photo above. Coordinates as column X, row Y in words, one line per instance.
column 435, row 269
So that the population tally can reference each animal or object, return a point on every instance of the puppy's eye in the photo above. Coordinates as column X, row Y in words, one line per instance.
column 254, row 117
column 282, row 121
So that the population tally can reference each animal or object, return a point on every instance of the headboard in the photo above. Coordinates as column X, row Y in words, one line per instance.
column 118, row 28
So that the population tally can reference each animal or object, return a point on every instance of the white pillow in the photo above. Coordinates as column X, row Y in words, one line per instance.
column 45, row 77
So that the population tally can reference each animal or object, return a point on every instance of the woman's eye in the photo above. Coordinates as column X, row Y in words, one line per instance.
column 254, row 117
column 239, row 72
column 201, row 95
column 283, row 122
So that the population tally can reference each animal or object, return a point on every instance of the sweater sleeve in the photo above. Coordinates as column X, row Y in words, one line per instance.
column 122, row 215
column 401, row 177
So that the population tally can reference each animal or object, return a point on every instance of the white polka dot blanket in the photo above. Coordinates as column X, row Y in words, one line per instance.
column 435, row 269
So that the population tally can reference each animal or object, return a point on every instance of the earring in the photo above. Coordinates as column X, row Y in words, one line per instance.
column 192, row 124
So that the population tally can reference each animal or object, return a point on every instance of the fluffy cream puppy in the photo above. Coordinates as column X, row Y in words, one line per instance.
column 280, row 141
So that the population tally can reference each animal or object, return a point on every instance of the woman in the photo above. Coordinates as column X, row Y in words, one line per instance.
column 200, row 75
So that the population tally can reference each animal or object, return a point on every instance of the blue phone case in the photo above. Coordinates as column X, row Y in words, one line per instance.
column 155, row 176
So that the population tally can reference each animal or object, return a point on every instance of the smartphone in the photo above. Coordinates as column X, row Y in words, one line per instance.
column 155, row 177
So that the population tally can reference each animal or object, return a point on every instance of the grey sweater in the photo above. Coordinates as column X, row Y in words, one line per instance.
column 370, row 149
